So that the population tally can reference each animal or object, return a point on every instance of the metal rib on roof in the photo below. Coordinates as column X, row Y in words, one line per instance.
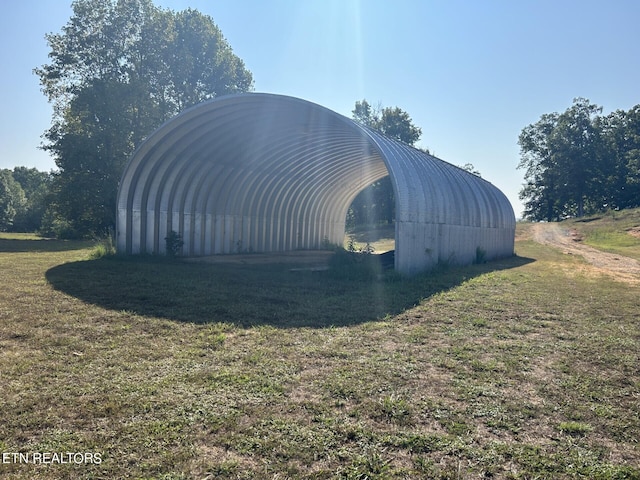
column 263, row 173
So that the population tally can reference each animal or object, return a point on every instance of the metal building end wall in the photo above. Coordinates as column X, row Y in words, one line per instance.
column 266, row 173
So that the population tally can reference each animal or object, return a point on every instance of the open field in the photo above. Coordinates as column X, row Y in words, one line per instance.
column 523, row 368
column 380, row 238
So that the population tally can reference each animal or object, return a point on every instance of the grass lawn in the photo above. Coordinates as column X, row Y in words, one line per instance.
column 523, row 368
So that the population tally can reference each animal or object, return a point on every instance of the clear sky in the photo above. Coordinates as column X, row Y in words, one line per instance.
column 470, row 73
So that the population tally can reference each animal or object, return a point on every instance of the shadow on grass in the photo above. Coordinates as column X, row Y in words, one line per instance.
column 248, row 295
column 39, row 245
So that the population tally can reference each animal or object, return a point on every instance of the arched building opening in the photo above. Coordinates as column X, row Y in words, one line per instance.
column 371, row 217
column 270, row 173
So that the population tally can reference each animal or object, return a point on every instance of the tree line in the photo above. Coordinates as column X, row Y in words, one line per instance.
column 29, row 199
column 580, row 162
column 24, row 196
column 117, row 71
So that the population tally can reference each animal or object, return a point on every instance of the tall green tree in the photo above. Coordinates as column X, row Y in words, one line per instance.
column 631, row 159
column 365, row 114
column 620, row 133
column 392, row 121
column 12, row 200
column 36, row 187
column 575, row 151
column 580, row 162
column 117, row 71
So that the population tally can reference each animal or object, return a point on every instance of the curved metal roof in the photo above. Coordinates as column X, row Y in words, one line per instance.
column 262, row 172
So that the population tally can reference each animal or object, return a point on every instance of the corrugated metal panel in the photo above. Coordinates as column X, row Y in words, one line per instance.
column 260, row 172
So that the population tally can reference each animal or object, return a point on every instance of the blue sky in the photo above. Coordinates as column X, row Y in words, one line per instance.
column 471, row 74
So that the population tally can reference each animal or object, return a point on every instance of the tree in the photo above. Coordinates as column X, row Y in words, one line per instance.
column 392, row 121
column 631, row 159
column 12, row 200
column 36, row 187
column 580, row 162
column 574, row 144
column 620, row 132
column 562, row 155
column 118, row 70
column 365, row 114
column 396, row 123
column 469, row 167
column 376, row 203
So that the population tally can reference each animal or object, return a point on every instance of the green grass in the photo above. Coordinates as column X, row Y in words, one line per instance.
column 522, row 368
column 615, row 231
column 379, row 237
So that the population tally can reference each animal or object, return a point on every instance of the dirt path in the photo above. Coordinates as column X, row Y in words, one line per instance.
column 622, row 268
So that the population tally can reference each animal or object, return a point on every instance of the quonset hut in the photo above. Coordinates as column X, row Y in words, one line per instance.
column 270, row 173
